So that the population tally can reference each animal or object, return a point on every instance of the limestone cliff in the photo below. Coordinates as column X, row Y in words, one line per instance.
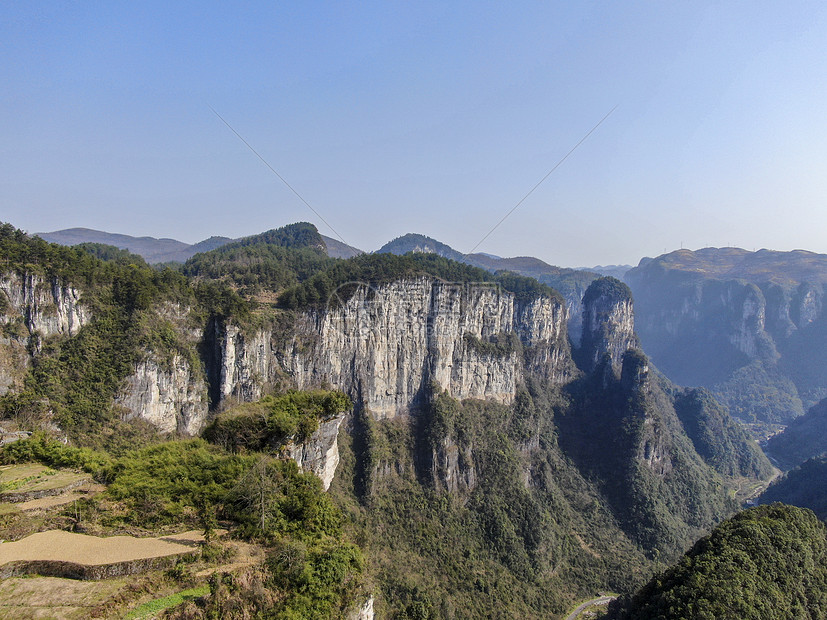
column 32, row 308
column 48, row 306
column 319, row 453
column 246, row 364
column 385, row 346
column 608, row 323
column 169, row 394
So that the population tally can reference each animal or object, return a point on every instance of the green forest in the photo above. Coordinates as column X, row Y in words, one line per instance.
column 765, row 563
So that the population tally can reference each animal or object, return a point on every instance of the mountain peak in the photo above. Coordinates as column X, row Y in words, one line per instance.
column 414, row 242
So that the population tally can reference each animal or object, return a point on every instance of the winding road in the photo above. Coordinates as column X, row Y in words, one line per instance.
column 600, row 600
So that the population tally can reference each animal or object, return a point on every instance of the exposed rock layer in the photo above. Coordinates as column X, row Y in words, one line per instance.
column 384, row 346
column 319, row 453
column 32, row 308
column 168, row 394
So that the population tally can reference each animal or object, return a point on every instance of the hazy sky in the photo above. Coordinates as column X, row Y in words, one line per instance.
column 429, row 117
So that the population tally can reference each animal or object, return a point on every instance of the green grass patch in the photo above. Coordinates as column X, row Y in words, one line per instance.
column 31, row 477
column 150, row 608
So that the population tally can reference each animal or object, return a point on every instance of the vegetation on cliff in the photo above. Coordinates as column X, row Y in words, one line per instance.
column 270, row 261
column 717, row 437
column 273, row 419
column 469, row 509
column 134, row 308
column 623, row 433
column 608, row 287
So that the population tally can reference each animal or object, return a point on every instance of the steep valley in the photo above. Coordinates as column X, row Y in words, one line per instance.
column 468, row 457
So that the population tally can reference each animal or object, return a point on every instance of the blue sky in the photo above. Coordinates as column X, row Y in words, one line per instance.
column 429, row 117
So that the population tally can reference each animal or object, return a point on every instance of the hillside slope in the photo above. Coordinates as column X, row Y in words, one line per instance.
column 803, row 439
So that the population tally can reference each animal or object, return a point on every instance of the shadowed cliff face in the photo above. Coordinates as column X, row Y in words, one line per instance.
column 622, row 431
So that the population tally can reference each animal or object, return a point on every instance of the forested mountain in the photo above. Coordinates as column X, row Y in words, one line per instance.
column 270, row 261
column 156, row 251
column 483, row 464
column 750, row 326
column 767, row 563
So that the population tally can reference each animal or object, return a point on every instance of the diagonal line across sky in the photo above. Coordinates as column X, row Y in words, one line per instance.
column 281, row 178
column 480, row 242
column 539, row 183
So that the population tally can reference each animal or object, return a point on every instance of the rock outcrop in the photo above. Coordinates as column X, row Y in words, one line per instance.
column 319, row 453
column 169, row 394
column 247, row 364
column 608, row 323
column 365, row 612
column 32, row 308
column 48, row 306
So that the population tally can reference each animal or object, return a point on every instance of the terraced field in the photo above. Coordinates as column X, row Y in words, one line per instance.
column 32, row 481
column 66, row 554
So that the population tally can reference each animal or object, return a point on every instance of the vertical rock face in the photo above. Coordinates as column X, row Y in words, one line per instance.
column 608, row 323
column 170, row 395
column 32, row 307
column 319, row 454
column 248, row 363
column 365, row 612
column 453, row 466
column 747, row 333
column 384, row 346
column 48, row 307
column 809, row 304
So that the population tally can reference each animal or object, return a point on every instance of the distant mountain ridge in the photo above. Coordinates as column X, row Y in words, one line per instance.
column 153, row 250
column 763, row 266
column 164, row 250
